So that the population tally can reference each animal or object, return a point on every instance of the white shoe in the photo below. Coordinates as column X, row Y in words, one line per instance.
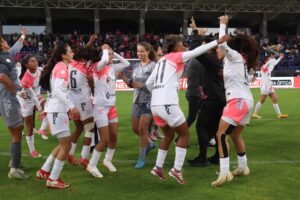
column 94, row 171
column 17, row 174
column 222, row 179
column 109, row 166
column 241, row 171
column 212, row 142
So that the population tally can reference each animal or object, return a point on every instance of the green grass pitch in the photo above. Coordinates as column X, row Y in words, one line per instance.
column 273, row 150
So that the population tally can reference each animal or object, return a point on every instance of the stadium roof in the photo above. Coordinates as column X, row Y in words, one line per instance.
column 227, row 6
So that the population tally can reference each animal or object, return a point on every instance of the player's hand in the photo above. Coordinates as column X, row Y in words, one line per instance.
column 42, row 115
column 105, row 47
column 223, row 19
column 93, row 38
column 193, row 24
column 137, row 85
column 24, row 31
column 224, row 38
column 121, row 75
column 281, row 55
column 75, row 113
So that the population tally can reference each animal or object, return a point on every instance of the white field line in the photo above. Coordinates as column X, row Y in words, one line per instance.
column 134, row 161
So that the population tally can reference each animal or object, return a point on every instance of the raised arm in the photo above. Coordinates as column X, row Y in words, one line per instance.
column 104, row 60
column 122, row 65
column 186, row 56
column 275, row 62
column 16, row 48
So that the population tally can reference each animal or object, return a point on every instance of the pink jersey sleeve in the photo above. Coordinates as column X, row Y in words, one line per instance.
column 177, row 59
column 60, row 71
column 27, row 80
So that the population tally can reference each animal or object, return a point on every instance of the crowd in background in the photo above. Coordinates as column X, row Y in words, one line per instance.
column 125, row 45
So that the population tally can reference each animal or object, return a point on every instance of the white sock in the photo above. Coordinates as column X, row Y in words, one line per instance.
column 30, row 142
column 85, row 151
column 73, row 148
column 161, row 157
column 224, row 166
column 242, row 161
column 95, row 158
column 109, row 154
column 257, row 107
column 44, row 124
column 48, row 164
column 179, row 158
column 276, row 108
column 56, row 170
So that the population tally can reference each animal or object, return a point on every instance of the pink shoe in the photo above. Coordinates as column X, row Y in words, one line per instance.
column 84, row 162
column 158, row 172
column 35, row 154
column 42, row 174
column 58, row 184
column 177, row 175
column 72, row 160
column 43, row 133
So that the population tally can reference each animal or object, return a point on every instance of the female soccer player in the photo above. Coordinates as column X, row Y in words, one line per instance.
column 81, row 79
column 164, row 84
column 266, row 86
column 240, row 55
column 9, row 85
column 30, row 77
column 55, row 79
column 105, row 112
column 141, row 112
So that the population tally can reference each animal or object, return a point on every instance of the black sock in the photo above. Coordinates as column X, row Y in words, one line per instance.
column 15, row 151
column 224, row 146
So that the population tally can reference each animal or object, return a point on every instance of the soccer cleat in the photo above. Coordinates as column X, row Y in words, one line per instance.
column 42, row 174
column 72, row 160
column 94, row 172
column 157, row 134
column 152, row 137
column 17, row 174
column 222, row 179
column 241, row 171
column 109, row 166
column 150, row 147
column 255, row 115
column 212, row 142
column 84, row 162
column 282, row 116
column 43, row 133
column 58, row 184
column 140, row 163
column 156, row 171
column 177, row 175
column 35, row 154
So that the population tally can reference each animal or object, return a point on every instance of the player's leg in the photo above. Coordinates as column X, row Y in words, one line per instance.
column 274, row 99
column 258, row 105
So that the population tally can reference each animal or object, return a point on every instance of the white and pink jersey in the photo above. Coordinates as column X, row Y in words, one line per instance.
column 235, row 72
column 164, row 80
column 105, row 79
column 32, row 80
column 266, row 70
column 78, row 76
column 58, row 98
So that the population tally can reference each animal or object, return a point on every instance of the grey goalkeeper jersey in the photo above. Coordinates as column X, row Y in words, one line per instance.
column 141, row 74
column 8, row 67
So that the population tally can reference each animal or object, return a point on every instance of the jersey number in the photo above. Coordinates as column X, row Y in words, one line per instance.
column 160, row 74
column 73, row 80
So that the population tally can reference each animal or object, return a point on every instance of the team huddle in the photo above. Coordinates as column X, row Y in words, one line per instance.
column 80, row 85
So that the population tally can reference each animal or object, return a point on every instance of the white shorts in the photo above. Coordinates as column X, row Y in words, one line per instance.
column 27, row 108
column 59, row 124
column 167, row 114
column 238, row 112
column 266, row 90
column 103, row 115
column 85, row 109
